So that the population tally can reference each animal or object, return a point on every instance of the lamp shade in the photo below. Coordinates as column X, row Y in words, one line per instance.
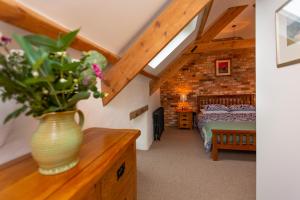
column 183, row 97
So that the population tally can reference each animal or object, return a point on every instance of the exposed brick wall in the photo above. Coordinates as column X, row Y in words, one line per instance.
column 199, row 78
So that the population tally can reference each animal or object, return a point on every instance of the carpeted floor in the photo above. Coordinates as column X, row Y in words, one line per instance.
column 177, row 168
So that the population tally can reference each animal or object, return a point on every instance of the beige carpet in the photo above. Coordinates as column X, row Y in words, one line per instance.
column 177, row 168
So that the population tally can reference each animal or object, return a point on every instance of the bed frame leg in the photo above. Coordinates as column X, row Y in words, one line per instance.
column 214, row 154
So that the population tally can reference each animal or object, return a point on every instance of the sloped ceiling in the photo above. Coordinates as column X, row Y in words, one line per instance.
column 112, row 24
column 245, row 22
column 245, row 27
column 176, row 52
column 115, row 24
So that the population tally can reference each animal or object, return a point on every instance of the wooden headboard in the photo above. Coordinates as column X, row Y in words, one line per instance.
column 226, row 99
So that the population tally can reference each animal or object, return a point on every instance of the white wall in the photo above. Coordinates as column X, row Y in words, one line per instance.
column 278, row 114
column 18, row 133
column 114, row 115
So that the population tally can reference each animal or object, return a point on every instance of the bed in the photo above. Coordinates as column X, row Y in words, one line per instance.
column 227, row 122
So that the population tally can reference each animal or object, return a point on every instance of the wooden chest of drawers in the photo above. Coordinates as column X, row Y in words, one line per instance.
column 185, row 119
column 107, row 171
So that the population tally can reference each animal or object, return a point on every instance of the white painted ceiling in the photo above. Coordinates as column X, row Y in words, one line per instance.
column 115, row 24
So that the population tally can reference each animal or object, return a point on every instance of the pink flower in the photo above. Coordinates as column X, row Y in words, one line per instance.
column 97, row 70
column 5, row 39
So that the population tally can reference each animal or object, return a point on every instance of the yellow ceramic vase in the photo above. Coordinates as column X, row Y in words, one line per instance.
column 56, row 143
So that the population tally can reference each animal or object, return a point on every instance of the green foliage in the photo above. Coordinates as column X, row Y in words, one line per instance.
column 79, row 96
column 48, row 44
column 93, row 57
column 15, row 114
column 43, row 78
column 43, row 41
column 65, row 41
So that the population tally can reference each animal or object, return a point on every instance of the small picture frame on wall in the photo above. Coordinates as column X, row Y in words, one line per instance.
column 288, row 33
column 223, row 67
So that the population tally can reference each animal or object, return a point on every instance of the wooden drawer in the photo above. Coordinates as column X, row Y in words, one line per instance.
column 129, row 194
column 185, row 116
column 185, row 120
column 185, row 126
column 119, row 183
column 94, row 178
column 94, row 193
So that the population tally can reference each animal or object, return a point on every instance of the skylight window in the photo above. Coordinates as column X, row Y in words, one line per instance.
column 185, row 33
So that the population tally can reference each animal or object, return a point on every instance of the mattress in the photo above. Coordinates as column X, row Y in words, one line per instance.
column 224, row 125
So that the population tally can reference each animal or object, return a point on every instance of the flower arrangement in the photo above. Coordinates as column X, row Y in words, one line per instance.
column 43, row 78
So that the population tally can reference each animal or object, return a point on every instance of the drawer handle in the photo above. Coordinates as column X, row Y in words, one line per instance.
column 121, row 171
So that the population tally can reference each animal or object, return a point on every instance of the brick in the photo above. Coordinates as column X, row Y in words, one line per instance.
column 199, row 78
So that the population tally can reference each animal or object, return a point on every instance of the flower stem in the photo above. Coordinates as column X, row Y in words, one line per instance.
column 6, row 49
column 52, row 90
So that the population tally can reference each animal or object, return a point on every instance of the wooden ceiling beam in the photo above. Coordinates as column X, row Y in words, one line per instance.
column 222, row 21
column 148, row 75
column 200, row 31
column 226, row 18
column 204, row 18
column 186, row 57
column 17, row 14
column 159, row 33
column 221, row 45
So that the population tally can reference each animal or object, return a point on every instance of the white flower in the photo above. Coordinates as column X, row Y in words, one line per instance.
column 75, row 60
column 61, row 53
column 62, row 80
column 35, row 73
column 45, row 91
column 19, row 52
column 7, row 57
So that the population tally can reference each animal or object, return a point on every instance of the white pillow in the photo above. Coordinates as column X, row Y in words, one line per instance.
column 203, row 111
column 242, row 111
